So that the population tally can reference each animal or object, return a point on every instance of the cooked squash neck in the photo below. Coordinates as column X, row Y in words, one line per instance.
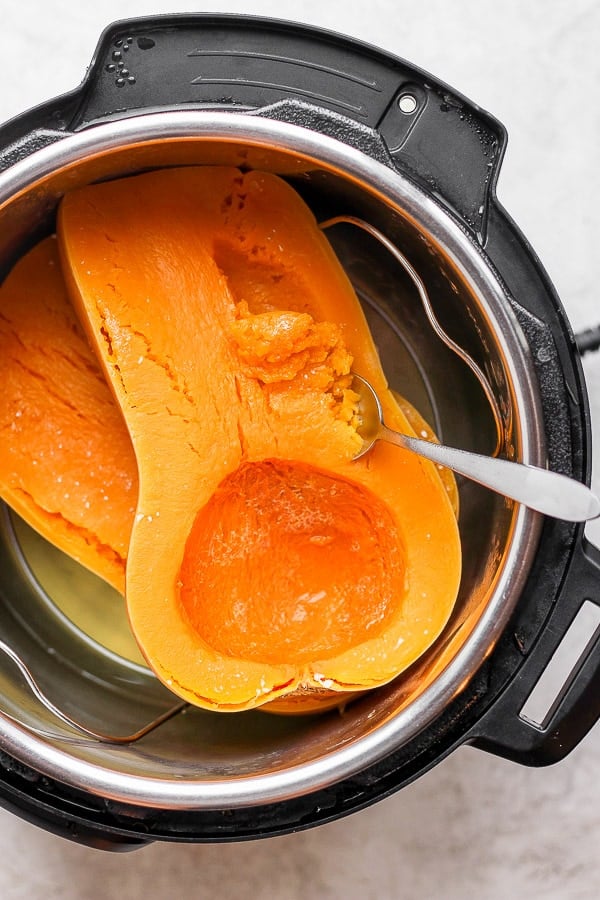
column 287, row 563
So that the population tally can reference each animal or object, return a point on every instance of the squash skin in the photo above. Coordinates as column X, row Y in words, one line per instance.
column 189, row 432
column 66, row 462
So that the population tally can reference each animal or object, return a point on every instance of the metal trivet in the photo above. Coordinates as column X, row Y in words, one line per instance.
column 428, row 309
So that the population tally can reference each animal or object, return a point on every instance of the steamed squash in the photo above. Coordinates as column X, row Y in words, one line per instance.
column 57, row 414
column 66, row 461
column 264, row 561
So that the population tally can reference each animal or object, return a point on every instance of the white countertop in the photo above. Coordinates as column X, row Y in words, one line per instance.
column 476, row 826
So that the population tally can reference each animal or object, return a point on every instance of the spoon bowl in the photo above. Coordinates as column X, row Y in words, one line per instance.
column 547, row 492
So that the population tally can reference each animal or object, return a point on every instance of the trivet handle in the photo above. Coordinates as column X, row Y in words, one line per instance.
column 505, row 729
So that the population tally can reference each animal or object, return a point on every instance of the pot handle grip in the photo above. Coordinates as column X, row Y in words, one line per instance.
column 20, row 794
column 507, row 729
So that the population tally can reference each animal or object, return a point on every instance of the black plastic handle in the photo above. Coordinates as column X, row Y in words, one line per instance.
column 36, row 799
column 503, row 730
column 246, row 63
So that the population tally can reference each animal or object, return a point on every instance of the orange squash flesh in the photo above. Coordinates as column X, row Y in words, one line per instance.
column 227, row 330
column 287, row 563
column 36, row 313
column 66, row 462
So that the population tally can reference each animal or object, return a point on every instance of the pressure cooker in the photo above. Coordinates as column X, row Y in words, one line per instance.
column 92, row 747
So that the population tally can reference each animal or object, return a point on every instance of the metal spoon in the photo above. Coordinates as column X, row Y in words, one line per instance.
column 547, row 492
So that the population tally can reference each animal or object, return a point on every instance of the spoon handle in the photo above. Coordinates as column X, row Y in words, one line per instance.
column 540, row 489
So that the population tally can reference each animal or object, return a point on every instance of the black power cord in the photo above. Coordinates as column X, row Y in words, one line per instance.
column 588, row 341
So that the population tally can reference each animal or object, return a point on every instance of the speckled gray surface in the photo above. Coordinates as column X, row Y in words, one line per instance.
column 476, row 826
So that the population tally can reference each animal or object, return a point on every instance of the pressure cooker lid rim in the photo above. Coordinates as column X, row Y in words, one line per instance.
column 420, row 207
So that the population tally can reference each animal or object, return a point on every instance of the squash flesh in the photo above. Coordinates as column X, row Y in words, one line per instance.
column 66, row 462
column 287, row 563
column 186, row 352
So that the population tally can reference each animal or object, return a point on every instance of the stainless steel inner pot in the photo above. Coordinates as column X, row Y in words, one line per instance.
column 71, row 631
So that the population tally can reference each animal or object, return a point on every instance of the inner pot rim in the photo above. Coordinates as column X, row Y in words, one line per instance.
column 442, row 230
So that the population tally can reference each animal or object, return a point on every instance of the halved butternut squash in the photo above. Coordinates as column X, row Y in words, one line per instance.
column 66, row 461
column 264, row 561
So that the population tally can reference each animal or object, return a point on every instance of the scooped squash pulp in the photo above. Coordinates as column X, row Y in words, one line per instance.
column 264, row 562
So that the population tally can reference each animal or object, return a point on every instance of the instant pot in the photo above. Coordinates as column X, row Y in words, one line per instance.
column 92, row 746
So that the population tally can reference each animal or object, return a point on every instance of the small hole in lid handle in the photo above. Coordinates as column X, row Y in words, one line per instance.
column 407, row 104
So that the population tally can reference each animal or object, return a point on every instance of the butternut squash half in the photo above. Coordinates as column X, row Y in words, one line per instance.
column 264, row 562
column 66, row 461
